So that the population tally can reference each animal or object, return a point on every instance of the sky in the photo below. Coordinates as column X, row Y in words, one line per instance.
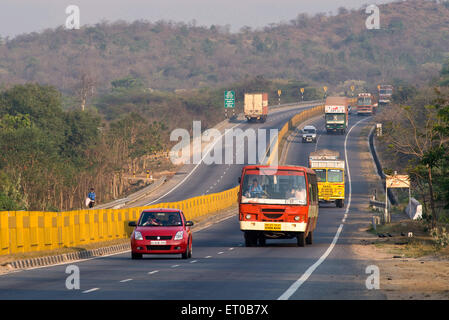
column 24, row 16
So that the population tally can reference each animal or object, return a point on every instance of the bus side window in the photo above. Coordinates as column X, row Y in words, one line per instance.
column 313, row 195
column 314, row 187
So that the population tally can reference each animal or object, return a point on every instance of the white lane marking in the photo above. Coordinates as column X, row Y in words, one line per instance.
column 175, row 266
column 126, row 280
column 194, row 261
column 153, row 272
column 221, row 252
column 208, row 257
column 298, row 283
column 194, row 169
column 91, row 290
column 231, row 249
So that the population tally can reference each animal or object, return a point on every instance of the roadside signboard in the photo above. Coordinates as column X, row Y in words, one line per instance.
column 398, row 181
column 229, row 99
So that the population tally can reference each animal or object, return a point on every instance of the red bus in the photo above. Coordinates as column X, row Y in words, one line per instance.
column 278, row 203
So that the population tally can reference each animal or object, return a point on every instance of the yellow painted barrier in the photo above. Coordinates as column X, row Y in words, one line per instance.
column 23, row 231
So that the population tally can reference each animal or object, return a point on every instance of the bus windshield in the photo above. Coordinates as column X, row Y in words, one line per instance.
column 282, row 187
column 334, row 175
column 320, row 175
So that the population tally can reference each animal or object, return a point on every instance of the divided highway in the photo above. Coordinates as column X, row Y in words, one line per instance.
column 221, row 268
column 207, row 179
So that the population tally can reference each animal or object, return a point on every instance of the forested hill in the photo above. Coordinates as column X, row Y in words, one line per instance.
column 411, row 45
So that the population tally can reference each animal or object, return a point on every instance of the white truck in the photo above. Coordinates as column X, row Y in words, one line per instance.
column 256, row 106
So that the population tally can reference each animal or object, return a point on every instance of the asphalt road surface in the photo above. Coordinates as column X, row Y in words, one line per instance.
column 221, row 267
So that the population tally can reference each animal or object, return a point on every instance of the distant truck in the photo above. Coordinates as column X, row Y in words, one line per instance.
column 385, row 94
column 256, row 106
column 366, row 104
column 336, row 114
column 330, row 172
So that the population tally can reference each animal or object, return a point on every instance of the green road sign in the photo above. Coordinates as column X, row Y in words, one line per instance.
column 229, row 99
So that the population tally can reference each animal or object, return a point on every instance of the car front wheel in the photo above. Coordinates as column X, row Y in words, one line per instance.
column 187, row 254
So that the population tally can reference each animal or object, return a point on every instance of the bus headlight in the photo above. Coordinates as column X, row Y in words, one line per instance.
column 248, row 217
column 297, row 218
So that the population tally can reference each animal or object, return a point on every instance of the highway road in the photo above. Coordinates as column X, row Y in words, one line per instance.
column 221, row 267
column 207, row 179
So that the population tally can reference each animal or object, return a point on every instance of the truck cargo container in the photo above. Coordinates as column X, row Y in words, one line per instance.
column 256, row 106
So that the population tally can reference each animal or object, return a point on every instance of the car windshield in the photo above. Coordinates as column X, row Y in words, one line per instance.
column 275, row 187
column 160, row 219
column 334, row 175
column 309, row 130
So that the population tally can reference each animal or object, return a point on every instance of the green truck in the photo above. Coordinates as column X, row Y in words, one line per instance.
column 336, row 114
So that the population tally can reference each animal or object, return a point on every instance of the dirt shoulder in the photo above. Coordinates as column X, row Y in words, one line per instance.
column 410, row 267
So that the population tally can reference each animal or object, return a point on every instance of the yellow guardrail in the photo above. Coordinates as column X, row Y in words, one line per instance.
column 24, row 231
column 291, row 124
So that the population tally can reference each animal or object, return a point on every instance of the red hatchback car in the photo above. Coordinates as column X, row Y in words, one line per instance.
column 161, row 231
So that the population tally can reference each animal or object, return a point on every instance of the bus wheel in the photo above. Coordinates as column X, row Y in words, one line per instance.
column 262, row 240
column 338, row 203
column 309, row 239
column 250, row 239
column 301, row 239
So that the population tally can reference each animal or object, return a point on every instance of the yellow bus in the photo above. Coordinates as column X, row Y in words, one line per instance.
column 330, row 173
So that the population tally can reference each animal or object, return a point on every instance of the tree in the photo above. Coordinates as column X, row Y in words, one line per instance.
column 411, row 131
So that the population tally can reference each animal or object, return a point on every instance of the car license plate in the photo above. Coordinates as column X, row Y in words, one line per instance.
column 158, row 242
column 309, row 139
column 273, row 226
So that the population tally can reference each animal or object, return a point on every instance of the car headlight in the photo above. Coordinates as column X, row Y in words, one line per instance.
column 137, row 235
column 179, row 235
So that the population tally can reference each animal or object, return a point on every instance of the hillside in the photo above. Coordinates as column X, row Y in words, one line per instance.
column 411, row 45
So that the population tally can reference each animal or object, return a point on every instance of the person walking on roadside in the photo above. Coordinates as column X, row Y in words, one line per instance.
column 91, row 196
